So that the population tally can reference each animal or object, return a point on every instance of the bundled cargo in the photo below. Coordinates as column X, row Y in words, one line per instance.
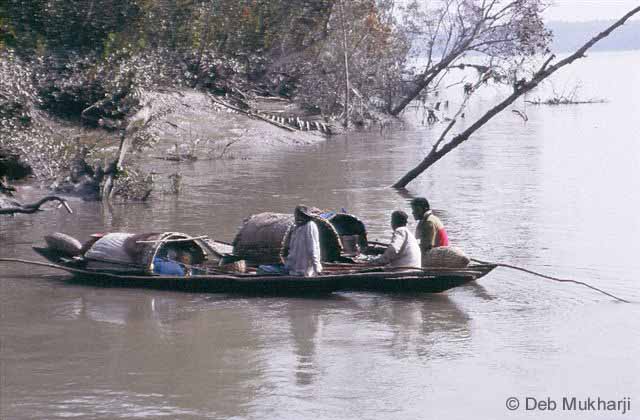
column 64, row 244
column 445, row 257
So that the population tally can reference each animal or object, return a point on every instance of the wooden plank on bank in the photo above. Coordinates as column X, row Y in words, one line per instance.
column 249, row 113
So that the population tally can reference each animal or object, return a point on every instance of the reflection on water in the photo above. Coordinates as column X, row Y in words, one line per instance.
column 306, row 327
column 423, row 327
column 428, row 327
column 555, row 194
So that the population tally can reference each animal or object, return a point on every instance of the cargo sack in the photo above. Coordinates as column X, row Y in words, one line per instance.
column 63, row 244
column 445, row 257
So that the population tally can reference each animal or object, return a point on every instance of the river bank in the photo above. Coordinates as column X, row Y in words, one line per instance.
column 202, row 123
column 179, row 126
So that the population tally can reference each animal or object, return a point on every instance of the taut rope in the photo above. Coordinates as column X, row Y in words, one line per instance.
column 544, row 276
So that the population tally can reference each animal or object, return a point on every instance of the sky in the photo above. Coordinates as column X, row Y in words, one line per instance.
column 581, row 10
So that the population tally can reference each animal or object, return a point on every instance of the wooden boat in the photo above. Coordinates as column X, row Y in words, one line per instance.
column 209, row 271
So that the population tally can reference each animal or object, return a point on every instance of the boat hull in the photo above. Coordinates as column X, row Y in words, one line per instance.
column 377, row 280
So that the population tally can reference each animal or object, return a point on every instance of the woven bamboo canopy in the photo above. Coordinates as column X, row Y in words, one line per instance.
column 139, row 250
column 263, row 237
column 348, row 225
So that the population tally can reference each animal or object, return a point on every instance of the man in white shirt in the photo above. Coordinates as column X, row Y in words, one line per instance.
column 403, row 251
column 304, row 246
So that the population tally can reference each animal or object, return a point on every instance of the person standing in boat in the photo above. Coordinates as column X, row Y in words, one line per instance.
column 403, row 250
column 304, row 246
column 430, row 231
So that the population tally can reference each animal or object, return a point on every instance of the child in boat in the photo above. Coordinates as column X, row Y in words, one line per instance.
column 403, row 251
column 177, row 262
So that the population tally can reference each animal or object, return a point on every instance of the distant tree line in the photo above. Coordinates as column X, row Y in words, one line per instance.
column 568, row 36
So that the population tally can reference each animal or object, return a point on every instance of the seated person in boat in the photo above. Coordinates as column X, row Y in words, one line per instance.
column 430, row 231
column 304, row 246
column 176, row 261
column 403, row 251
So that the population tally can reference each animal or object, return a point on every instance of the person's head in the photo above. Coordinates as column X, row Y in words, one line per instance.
column 398, row 219
column 419, row 206
column 301, row 215
column 185, row 257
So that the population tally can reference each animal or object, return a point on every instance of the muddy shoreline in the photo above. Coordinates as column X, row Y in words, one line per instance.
column 184, row 126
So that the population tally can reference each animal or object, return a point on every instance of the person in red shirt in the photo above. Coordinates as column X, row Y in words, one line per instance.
column 430, row 231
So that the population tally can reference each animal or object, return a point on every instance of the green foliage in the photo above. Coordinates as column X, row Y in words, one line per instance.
column 83, row 51
column 7, row 34
column 364, row 30
column 66, row 25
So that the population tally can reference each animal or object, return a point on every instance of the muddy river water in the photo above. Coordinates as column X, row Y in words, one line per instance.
column 558, row 194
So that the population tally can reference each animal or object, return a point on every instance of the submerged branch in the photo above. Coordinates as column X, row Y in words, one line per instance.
column 565, row 101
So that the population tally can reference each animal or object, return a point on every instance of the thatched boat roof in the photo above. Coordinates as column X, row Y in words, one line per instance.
column 139, row 250
column 263, row 237
column 347, row 225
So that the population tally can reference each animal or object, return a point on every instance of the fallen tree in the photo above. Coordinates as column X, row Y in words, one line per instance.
column 443, row 146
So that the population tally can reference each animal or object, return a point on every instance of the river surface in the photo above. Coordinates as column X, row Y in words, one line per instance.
column 557, row 194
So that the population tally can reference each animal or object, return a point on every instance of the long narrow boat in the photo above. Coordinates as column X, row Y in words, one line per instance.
column 89, row 267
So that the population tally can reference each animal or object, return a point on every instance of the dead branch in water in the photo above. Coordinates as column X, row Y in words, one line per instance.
column 565, row 101
column 226, row 148
column 565, row 97
column 34, row 207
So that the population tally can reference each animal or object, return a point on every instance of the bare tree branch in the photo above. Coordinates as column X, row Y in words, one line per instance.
column 544, row 72
column 34, row 207
column 463, row 26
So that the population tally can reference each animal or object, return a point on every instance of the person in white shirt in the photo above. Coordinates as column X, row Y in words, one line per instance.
column 304, row 246
column 403, row 251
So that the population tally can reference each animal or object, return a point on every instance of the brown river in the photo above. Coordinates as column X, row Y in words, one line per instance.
column 557, row 194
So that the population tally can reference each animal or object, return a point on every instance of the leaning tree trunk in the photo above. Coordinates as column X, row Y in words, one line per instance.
column 107, row 188
column 425, row 164
column 436, row 154
column 545, row 71
column 422, row 82
column 429, row 75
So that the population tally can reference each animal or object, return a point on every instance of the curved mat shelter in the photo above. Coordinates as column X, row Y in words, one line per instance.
column 263, row 238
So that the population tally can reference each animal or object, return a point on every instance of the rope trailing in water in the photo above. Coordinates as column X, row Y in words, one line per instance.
column 544, row 276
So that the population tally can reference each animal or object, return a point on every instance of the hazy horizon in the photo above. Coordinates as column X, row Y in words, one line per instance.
column 588, row 10
column 569, row 36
